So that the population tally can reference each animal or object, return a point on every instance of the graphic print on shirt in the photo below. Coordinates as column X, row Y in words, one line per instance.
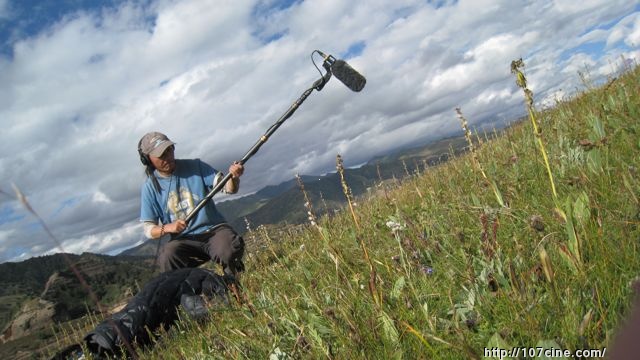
column 180, row 206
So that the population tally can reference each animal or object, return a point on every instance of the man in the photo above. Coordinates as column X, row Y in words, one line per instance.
column 173, row 188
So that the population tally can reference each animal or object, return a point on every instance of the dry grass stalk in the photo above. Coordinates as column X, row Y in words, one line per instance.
column 489, row 244
column 373, row 290
column 474, row 157
column 346, row 189
column 381, row 182
column 546, row 264
column 406, row 169
column 307, row 203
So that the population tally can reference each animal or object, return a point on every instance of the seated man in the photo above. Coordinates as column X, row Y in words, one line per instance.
column 172, row 190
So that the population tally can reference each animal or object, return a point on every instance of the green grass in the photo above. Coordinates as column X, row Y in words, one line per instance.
column 453, row 271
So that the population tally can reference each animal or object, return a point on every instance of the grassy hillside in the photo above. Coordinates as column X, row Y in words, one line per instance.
column 436, row 267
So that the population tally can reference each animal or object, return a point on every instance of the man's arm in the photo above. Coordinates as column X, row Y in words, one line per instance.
column 233, row 185
column 155, row 231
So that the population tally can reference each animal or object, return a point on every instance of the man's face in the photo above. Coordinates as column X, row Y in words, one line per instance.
column 166, row 163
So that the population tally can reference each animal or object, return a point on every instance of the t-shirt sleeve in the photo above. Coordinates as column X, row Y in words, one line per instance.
column 148, row 206
column 208, row 173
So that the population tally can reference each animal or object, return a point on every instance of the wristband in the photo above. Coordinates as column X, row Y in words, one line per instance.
column 162, row 230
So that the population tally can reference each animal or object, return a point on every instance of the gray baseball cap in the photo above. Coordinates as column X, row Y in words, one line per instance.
column 155, row 143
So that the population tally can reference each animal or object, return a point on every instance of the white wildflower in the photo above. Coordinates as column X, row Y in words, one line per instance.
column 395, row 226
column 278, row 354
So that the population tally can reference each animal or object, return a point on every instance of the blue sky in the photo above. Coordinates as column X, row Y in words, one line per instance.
column 82, row 81
column 29, row 18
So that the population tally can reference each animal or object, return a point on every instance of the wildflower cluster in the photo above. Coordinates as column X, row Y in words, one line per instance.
column 395, row 226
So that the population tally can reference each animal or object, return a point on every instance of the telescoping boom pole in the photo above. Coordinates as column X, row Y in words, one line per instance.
column 345, row 73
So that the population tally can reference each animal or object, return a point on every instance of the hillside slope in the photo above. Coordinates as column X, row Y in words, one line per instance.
column 487, row 250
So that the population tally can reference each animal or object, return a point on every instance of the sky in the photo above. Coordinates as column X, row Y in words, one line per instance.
column 82, row 80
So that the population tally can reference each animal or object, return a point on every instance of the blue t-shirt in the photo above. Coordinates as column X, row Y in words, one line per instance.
column 190, row 182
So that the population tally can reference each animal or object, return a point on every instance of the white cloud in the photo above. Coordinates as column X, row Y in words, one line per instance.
column 615, row 36
column 573, row 7
column 633, row 38
column 579, row 62
column 77, row 97
column 104, row 242
column 100, row 197
column 5, row 236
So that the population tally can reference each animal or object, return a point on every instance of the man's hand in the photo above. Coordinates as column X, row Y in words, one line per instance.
column 236, row 169
column 175, row 227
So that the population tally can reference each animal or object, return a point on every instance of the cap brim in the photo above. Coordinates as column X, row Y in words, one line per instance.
column 157, row 152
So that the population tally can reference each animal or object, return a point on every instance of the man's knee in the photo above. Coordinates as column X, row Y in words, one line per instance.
column 227, row 248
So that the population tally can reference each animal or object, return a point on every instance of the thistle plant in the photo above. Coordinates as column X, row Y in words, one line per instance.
column 474, row 158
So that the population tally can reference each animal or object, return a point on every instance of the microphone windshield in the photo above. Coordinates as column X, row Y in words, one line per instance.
column 348, row 75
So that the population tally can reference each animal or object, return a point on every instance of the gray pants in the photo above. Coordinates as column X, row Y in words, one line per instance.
column 221, row 245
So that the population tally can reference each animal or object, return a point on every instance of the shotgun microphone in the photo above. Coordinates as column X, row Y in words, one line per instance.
column 344, row 72
column 348, row 75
